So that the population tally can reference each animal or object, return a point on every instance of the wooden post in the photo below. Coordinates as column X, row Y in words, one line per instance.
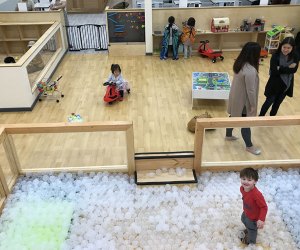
column 198, row 146
column 3, row 184
column 130, row 150
column 11, row 154
column 13, row 161
column 2, row 197
column 4, row 190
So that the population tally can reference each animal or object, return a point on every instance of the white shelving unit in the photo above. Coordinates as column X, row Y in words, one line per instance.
column 273, row 38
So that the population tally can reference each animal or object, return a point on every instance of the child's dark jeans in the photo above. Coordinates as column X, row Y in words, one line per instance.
column 251, row 228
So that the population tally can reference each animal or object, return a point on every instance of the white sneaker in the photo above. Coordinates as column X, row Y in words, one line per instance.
column 253, row 150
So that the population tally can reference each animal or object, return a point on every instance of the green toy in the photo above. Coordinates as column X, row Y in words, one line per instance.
column 277, row 29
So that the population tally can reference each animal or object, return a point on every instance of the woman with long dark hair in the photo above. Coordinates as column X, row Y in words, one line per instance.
column 283, row 66
column 244, row 91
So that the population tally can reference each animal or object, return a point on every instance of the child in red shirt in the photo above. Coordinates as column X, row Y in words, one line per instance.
column 254, row 205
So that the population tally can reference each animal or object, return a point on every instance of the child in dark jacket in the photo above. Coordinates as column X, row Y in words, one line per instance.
column 170, row 39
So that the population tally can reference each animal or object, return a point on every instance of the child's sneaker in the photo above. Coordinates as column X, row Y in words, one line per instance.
column 128, row 91
column 121, row 99
column 245, row 239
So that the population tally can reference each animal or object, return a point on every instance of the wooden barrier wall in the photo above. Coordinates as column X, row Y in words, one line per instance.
column 233, row 122
column 6, row 132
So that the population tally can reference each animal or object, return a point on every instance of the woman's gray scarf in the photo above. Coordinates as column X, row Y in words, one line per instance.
column 286, row 78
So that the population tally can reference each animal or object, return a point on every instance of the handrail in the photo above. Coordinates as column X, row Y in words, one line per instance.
column 63, row 127
column 271, row 121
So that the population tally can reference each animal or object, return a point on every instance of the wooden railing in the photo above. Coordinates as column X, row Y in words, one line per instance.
column 206, row 123
column 7, row 130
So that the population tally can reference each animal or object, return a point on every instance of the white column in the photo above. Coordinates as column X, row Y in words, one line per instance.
column 148, row 27
column 134, row 4
column 264, row 2
column 182, row 3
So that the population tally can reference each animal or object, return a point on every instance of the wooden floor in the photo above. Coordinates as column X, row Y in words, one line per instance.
column 159, row 105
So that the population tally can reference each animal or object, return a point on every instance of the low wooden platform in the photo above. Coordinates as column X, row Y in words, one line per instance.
column 143, row 177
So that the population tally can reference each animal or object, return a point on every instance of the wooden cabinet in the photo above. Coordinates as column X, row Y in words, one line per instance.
column 90, row 6
column 14, row 37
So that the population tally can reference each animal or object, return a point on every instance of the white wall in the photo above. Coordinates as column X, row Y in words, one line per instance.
column 15, row 88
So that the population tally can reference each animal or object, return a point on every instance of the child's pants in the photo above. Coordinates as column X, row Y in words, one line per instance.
column 251, row 228
column 187, row 50
column 124, row 86
column 246, row 132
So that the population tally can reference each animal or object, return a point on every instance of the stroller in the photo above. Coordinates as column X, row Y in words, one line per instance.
column 111, row 94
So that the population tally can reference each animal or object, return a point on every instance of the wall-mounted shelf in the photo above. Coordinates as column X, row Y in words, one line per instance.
column 231, row 41
column 14, row 37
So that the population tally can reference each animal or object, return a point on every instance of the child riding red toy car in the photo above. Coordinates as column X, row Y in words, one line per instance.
column 206, row 51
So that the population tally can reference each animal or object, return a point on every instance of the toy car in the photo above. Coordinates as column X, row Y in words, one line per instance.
column 263, row 53
column 206, row 51
column 111, row 94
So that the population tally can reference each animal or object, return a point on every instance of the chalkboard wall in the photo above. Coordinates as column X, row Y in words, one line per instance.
column 126, row 26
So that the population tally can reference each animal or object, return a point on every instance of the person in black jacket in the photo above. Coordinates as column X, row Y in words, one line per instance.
column 297, row 41
column 283, row 66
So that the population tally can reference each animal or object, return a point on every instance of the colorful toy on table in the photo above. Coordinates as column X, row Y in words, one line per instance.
column 75, row 118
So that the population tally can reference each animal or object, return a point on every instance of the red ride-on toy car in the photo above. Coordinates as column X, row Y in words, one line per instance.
column 206, row 51
column 263, row 53
column 111, row 94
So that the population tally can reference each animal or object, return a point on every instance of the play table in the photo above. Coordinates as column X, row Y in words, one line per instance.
column 210, row 85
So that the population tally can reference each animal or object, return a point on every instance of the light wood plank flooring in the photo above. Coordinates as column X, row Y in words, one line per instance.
column 159, row 106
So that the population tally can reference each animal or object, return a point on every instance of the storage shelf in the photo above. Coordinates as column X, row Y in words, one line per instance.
column 14, row 37
column 229, row 41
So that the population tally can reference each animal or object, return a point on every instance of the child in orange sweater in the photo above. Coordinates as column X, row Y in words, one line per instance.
column 188, row 37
